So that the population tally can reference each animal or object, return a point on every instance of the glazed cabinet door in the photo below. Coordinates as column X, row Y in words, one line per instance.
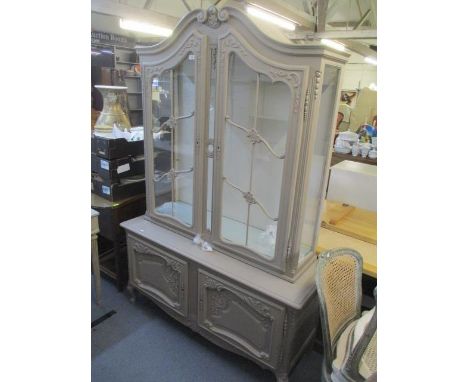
column 241, row 318
column 159, row 274
column 257, row 126
column 318, row 161
column 174, row 81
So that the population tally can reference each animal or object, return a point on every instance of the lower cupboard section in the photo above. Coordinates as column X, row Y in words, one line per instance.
column 245, row 320
column 226, row 311
column 161, row 275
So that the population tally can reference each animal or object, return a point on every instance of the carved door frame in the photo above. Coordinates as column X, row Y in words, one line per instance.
column 296, row 78
column 154, row 64
column 312, row 121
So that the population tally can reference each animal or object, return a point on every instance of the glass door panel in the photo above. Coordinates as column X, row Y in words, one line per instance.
column 318, row 167
column 173, row 105
column 255, row 133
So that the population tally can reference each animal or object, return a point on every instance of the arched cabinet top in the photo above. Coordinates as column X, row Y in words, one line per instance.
column 214, row 21
column 175, row 53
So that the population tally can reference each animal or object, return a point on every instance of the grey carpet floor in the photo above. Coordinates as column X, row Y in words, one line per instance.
column 141, row 343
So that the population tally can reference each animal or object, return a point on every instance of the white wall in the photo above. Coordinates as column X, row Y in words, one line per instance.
column 358, row 76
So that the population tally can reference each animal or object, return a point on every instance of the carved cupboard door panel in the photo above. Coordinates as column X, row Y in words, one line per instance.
column 161, row 275
column 246, row 321
column 257, row 126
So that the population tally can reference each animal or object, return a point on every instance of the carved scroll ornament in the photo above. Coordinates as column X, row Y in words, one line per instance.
column 223, row 296
column 172, row 268
column 212, row 17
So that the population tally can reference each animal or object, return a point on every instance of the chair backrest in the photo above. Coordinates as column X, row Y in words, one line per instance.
column 369, row 358
column 364, row 353
column 338, row 279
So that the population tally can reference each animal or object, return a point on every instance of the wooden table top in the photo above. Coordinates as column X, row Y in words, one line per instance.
column 97, row 201
column 329, row 239
column 337, row 236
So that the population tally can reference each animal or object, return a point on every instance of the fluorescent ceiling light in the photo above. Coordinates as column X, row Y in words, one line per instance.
column 370, row 60
column 137, row 26
column 333, row 44
column 269, row 16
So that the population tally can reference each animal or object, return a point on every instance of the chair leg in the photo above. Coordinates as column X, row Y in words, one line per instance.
column 96, row 270
column 325, row 375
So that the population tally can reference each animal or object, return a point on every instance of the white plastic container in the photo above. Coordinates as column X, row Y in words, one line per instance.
column 354, row 183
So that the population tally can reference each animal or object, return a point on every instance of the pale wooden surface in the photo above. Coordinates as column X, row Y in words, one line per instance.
column 329, row 239
column 351, row 221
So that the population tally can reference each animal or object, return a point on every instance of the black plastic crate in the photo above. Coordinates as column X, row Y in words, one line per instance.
column 116, row 169
column 117, row 191
column 109, row 148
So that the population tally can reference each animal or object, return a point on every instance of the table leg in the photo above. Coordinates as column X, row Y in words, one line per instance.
column 95, row 265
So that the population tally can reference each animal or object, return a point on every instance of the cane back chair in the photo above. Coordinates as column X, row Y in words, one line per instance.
column 349, row 339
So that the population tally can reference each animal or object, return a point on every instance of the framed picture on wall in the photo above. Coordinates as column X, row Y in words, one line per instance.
column 349, row 97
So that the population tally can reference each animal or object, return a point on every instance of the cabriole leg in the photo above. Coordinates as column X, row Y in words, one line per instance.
column 131, row 292
column 95, row 266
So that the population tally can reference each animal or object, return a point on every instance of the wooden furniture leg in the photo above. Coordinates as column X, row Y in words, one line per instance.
column 95, row 265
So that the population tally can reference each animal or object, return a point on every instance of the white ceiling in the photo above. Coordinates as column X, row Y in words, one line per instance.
column 339, row 11
column 342, row 15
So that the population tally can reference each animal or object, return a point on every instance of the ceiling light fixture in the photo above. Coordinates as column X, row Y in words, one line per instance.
column 271, row 17
column 137, row 26
column 370, row 60
column 333, row 44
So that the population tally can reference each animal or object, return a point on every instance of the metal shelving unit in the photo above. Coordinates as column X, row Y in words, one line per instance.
column 125, row 58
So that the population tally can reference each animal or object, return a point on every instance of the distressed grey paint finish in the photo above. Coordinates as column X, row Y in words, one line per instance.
column 264, row 309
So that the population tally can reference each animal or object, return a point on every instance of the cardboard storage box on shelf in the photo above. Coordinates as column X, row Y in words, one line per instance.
column 116, row 169
column 353, row 183
column 109, row 148
column 117, row 191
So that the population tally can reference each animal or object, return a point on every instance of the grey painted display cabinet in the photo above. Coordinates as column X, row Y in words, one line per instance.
column 238, row 135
